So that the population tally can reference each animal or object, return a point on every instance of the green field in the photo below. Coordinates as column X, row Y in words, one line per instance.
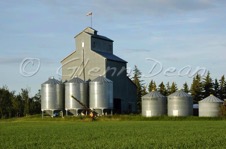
column 112, row 133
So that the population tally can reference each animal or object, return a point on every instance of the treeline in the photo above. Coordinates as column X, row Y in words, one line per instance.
column 200, row 88
column 12, row 105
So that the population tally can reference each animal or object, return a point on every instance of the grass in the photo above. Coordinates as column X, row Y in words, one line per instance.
column 112, row 132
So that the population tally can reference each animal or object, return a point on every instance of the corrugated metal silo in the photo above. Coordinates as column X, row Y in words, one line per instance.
column 52, row 96
column 101, row 94
column 79, row 89
column 210, row 106
column 153, row 104
column 180, row 104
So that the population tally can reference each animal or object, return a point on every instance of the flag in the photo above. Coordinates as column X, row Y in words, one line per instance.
column 89, row 14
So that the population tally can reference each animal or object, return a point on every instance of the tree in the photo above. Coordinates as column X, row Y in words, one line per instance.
column 18, row 106
column 138, row 82
column 35, row 104
column 216, row 88
column 152, row 86
column 173, row 88
column 196, row 88
column 25, row 97
column 5, row 103
column 168, row 87
column 143, row 91
column 222, row 88
column 162, row 89
column 207, row 86
column 185, row 87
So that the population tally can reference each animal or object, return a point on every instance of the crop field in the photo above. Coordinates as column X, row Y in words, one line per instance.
column 73, row 133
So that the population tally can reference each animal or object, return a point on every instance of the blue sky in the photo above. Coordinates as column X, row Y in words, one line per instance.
column 159, row 36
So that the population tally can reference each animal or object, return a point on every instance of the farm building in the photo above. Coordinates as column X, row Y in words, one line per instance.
column 153, row 104
column 94, row 57
column 79, row 89
column 52, row 96
column 180, row 104
column 210, row 106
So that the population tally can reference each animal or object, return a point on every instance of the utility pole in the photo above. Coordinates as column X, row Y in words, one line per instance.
column 83, row 61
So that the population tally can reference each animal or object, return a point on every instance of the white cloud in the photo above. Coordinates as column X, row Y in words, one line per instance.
column 136, row 50
column 9, row 60
column 151, row 7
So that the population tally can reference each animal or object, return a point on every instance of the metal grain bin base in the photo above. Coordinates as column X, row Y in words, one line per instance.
column 76, row 112
column 52, row 113
column 104, row 111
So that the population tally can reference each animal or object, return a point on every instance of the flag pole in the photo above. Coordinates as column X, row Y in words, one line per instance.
column 91, row 18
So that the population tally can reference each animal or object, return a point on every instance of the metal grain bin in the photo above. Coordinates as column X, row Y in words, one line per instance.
column 79, row 89
column 60, row 96
column 210, row 106
column 180, row 104
column 101, row 94
column 52, row 96
column 153, row 104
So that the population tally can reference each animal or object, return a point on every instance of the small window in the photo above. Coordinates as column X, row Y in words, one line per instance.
column 83, row 44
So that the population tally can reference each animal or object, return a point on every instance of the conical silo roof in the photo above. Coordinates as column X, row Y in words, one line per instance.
column 211, row 98
column 179, row 93
column 153, row 94
column 75, row 80
column 101, row 79
column 52, row 81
